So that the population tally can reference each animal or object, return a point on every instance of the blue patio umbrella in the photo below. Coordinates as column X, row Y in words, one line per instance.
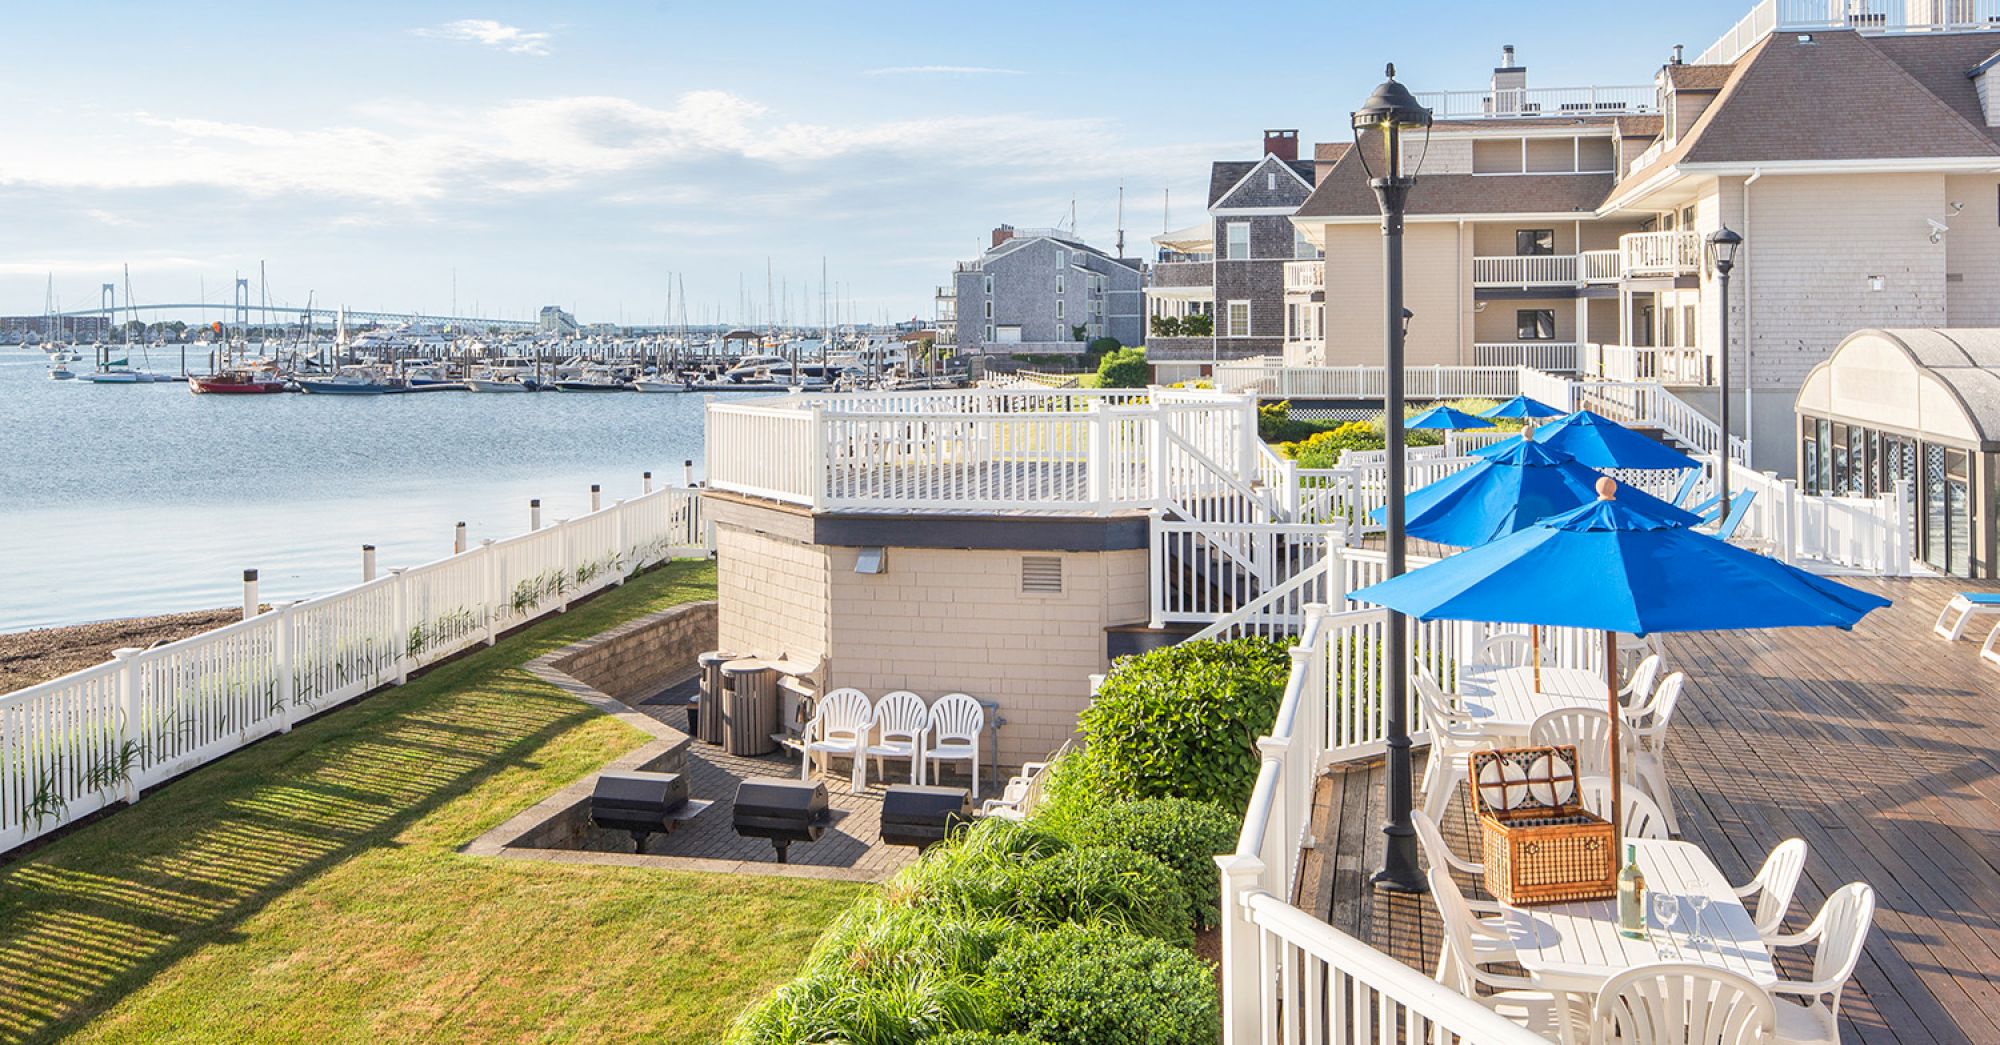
column 1597, row 441
column 1511, row 490
column 1611, row 566
column 1522, row 407
column 1445, row 418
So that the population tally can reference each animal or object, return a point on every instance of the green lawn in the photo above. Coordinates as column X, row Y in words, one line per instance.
column 308, row 889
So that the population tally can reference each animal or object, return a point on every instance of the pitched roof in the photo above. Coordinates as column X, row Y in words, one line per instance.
column 1942, row 64
column 1641, row 126
column 1344, row 192
column 1224, row 174
column 1698, row 77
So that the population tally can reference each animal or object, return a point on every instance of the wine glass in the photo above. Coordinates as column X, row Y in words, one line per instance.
column 1667, row 911
column 1698, row 903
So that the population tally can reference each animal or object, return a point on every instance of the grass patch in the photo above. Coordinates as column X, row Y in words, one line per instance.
column 309, row 888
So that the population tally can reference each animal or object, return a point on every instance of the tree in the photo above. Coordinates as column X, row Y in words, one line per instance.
column 1124, row 368
column 1076, row 333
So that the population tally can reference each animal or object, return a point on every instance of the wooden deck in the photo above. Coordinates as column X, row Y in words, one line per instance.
column 1880, row 747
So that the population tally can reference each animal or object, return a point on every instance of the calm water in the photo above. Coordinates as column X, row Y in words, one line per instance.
column 118, row 500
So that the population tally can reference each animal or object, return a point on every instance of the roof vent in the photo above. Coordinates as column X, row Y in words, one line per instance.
column 1041, row 575
column 1679, row 51
column 1807, row 38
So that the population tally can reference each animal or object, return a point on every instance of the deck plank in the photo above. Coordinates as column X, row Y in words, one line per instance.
column 1880, row 747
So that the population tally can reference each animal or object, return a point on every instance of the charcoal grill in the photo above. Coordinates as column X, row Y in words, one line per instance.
column 642, row 803
column 923, row 816
column 784, row 811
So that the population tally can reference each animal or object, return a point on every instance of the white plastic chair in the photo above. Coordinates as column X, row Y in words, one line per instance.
column 1774, row 885
column 1508, row 650
column 901, row 720
column 840, row 726
column 1682, row 1003
column 1587, row 728
column 1453, row 736
column 956, row 723
column 1639, row 691
column 1841, row 927
column 1642, row 819
column 1645, row 736
column 1470, row 945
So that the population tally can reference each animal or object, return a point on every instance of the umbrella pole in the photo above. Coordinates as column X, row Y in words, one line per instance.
column 1535, row 643
column 1617, row 771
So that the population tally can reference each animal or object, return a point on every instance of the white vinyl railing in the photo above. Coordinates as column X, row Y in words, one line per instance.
column 1541, row 101
column 1271, row 377
column 1305, row 275
column 1866, row 16
column 1671, row 365
column 1525, row 270
column 1661, row 253
column 1641, row 403
column 1553, row 356
column 1874, row 535
column 1601, row 266
column 1287, row 976
column 73, row 745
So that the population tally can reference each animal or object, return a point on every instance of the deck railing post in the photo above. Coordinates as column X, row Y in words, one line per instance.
column 1157, row 555
column 818, row 434
column 566, row 559
column 490, row 590
column 618, row 542
column 1242, row 989
column 287, row 681
column 131, row 719
column 1097, row 456
column 401, row 617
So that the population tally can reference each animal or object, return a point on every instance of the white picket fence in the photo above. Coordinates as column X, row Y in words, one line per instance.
column 1873, row 535
column 73, row 745
column 1269, row 377
column 1287, row 975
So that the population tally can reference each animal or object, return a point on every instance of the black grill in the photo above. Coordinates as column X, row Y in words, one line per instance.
column 923, row 816
column 642, row 803
column 784, row 811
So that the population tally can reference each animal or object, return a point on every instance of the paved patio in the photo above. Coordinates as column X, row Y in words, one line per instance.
column 1880, row 747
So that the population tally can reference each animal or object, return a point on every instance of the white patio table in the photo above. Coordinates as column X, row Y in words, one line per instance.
column 1506, row 701
column 1576, row 946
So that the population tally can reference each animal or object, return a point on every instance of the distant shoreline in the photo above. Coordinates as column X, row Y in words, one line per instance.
column 41, row 654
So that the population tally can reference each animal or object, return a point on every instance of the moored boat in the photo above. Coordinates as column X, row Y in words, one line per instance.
column 499, row 384
column 243, row 381
column 354, row 381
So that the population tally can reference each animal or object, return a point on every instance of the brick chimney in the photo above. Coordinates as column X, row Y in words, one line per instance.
column 1002, row 235
column 1283, row 144
column 1510, row 83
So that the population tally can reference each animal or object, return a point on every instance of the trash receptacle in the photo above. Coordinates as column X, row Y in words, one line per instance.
column 705, row 718
column 749, row 707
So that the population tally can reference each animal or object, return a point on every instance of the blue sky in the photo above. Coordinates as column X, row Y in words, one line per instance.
column 580, row 153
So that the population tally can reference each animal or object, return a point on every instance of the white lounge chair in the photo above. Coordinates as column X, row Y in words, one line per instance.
column 1682, row 1003
column 1990, row 651
column 1958, row 613
column 956, row 723
column 1840, row 928
column 839, row 727
column 901, row 720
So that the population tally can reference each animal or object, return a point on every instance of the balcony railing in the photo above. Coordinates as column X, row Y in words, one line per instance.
column 1670, row 366
column 1867, row 16
column 1661, row 253
column 1525, row 270
column 1305, row 275
column 1555, row 357
column 1600, row 266
column 1541, row 101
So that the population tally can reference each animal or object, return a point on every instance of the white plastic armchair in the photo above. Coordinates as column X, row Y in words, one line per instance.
column 1438, row 852
column 839, row 727
column 1453, row 736
column 956, row 723
column 901, row 720
column 1645, row 735
column 1587, row 728
column 1840, row 929
column 1470, row 945
column 1682, row 1003
column 1639, row 691
column 1507, row 650
column 1774, row 885
column 1642, row 816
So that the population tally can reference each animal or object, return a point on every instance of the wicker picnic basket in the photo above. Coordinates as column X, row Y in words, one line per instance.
column 1540, row 845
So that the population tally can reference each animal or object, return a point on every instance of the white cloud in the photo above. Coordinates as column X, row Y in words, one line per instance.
column 510, row 38
column 943, row 70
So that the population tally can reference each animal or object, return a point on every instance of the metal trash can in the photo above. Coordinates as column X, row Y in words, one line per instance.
column 705, row 718
column 749, row 707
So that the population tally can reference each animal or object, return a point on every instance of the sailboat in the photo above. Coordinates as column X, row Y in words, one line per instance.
column 232, row 376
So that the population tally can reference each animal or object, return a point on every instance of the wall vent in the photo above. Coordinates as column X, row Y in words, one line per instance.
column 1041, row 575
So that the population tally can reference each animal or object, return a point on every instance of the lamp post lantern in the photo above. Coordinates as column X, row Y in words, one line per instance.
column 1723, row 244
column 1390, row 112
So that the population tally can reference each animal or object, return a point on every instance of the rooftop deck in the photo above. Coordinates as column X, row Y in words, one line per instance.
column 1881, row 748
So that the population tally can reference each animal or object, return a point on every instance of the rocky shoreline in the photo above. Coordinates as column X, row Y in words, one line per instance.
column 29, row 657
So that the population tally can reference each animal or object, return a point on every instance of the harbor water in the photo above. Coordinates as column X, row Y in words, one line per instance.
column 126, row 500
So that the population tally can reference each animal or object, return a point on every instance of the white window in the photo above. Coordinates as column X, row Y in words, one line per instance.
column 1062, row 258
column 1239, row 319
column 1236, row 242
column 1302, row 248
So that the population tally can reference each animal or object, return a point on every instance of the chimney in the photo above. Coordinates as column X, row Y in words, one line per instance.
column 1002, row 235
column 1282, row 144
column 1510, row 85
column 1679, row 50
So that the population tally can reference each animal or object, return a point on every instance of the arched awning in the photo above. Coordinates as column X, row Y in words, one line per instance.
column 1942, row 385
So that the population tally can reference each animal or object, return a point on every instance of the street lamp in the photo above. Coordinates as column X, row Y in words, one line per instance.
column 1722, row 247
column 1390, row 112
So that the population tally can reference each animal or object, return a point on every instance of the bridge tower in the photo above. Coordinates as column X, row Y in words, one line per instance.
column 107, row 301
column 242, row 302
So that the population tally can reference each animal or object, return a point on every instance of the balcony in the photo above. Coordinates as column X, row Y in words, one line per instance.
column 1886, row 17
column 1542, row 101
column 1304, row 276
column 1554, row 357
column 1525, row 270
column 1661, row 253
column 1668, row 366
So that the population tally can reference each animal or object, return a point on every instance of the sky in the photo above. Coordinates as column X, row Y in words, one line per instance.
column 411, row 155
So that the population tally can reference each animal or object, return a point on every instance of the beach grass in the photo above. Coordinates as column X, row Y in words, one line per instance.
column 309, row 888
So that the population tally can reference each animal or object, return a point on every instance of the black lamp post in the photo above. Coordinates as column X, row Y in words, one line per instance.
column 1722, row 247
column 1390, row 111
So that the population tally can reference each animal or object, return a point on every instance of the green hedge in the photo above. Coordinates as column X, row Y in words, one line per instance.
column 1181, row 833
column 1124, row 368
column 1095, row 986
column 1184, row 721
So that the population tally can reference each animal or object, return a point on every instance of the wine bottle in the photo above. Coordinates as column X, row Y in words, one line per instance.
column 1631, row 896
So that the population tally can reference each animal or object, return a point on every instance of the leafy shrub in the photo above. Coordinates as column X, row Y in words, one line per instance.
column 1124, row 368
column 1104, row 346
column 1166, row 326
column 1197, row 325
column 981, row 1037
column 1275, row 424
column 981, row 870
column 1100, row 885
column 1183, row 834
column 1075, row 788
column 1183, row 721
column 1094, row 986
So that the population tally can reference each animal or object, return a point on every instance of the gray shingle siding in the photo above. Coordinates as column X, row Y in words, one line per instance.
column 1025, row 275
column 1279, row 190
